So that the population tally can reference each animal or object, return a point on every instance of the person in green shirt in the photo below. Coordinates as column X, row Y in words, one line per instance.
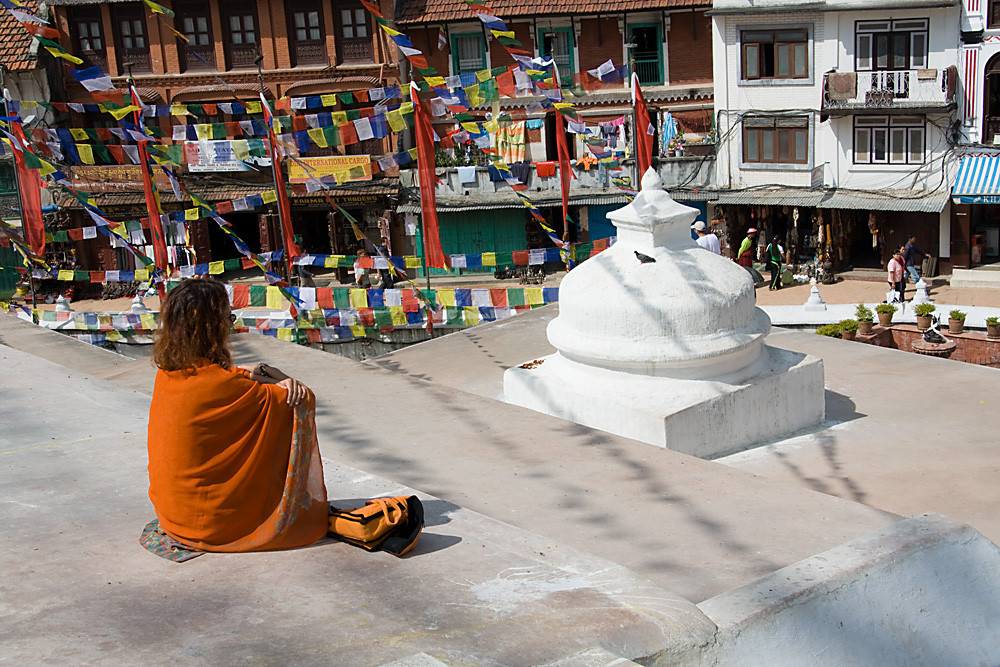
column 775, row 254
column 745, row 256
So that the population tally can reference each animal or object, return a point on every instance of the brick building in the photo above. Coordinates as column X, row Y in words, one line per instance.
column 668, row 43
column 307, row 49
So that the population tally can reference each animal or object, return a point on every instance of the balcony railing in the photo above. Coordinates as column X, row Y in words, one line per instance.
column 903, row 89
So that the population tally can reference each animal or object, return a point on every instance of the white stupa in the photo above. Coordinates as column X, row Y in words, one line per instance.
column 660, row 340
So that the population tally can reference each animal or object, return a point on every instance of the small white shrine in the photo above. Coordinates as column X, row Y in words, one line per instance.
column 661, row 340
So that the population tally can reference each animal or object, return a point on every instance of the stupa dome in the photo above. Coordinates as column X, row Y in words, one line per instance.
column 679, row 311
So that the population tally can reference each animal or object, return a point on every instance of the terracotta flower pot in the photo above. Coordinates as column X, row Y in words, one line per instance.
column 955, row 326
column 848, row 335
column 923, row 321
column 993, row 330
column 865, row 328
column 884, row 319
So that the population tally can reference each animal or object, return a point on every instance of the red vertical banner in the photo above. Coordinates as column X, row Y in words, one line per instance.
column 565, row 172
column 428, row 180
column 31, row 197
column 152, row 203
column 292, row 249
column 643, row 137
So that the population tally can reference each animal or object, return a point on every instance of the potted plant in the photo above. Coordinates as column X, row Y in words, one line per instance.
column 831, row 330
column 676, row 145
column 956, row 321
column 992, row 327
column 848, row 329
column 866, row 319
column 885, row 312
column 923, row 312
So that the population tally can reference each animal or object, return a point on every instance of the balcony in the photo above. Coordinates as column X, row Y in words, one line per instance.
column 907, row 91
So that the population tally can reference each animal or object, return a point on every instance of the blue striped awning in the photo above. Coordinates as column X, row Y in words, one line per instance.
column 978, row 181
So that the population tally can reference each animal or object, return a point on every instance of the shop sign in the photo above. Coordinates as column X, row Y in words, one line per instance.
column 328, row 165
column 218, row 155
column 342, row 198
column 976, row 199
column 114, row 178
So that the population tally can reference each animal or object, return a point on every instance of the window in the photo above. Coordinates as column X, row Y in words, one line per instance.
column 354, row 41
column 776, row 139
column 195, row 23
column 994, row 14
column 87, row 29
column 889, row 140
column 240, row 19
column 775, row 54
column 133, row 49
column 891, row 45
column 468, row 52
column 558, row 43
column 306, row 32
column 647, row 54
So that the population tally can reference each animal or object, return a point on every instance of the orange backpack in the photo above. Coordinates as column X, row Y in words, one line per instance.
column 386, row 524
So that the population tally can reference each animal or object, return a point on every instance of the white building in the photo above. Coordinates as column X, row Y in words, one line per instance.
column 836, row 123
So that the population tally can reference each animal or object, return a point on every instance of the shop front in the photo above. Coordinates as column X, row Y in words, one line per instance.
column 975, row 220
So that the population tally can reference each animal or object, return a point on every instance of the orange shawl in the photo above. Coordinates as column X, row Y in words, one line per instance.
column 232, row 467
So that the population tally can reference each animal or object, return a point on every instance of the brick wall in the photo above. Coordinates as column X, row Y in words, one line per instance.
column 689, row 47
column 425, row 38
column 597, row 48
column 971, row 347
column 498, row 54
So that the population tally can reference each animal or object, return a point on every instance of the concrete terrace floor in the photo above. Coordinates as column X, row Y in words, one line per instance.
column 544, row 538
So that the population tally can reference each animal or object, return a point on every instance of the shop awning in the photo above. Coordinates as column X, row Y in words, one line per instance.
column 978, row 180
column 916, row 201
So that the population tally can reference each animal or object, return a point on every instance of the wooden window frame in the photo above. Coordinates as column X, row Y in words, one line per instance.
column 306, row 51
column 484, row 63
column 888, row 127
column 194, row 11
column 894, row 30
column 365, row 43
column 777, row 38
column 237, row 54
column 774, row 133
column 132, row 16
column 89, row 16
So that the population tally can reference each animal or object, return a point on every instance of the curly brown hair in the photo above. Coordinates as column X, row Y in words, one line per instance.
column 194, row 327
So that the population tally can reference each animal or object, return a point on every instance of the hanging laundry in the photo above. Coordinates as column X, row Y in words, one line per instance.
column 466, row 174
column 545, row 169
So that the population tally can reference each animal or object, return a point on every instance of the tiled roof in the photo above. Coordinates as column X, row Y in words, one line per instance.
column 15, row 42
column 433, row 11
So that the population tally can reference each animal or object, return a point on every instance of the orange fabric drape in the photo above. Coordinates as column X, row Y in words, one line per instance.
column 231, row 466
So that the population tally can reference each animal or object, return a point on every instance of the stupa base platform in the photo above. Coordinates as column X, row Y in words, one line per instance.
column 703, row 418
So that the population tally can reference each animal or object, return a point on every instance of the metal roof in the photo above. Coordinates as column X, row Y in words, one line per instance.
column 551, row 198
column 978, row 180
column 774, row 6
column 917, row 201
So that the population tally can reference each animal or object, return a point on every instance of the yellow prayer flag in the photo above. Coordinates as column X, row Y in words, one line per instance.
column 412, row 153
column 192, row 213
column 472, row 92
column 499, row 33
column 65, row 274
column 142, row 274
column 358, row 330
column 285, row 334
column 330, row 262
column 124, row 111
column 215, row 268
column 78, row 133
column 178, row 110
column 406, row 108
column 533, row 296
column 471, row 315
column 359, row 298
column 203, row 131
column 436, row 81
column 328, row 100
column 241, row 148
column 396, row 122
column 445, row 297
column 491, row 126
column 274, row 298
column 29, row 104
column 115, row 336
column 339, row 117
column 484, row 74
column 59, row 53
column 489, row 259
column 148, row 320
column 269, row 197
column 398, row 315
column 317, row 137
column 86, row 152
column 470, row 127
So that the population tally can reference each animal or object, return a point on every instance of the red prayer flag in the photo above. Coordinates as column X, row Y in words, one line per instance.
column 31, row 197
column 564, row 171
column 292, row 249
column 152, row 202
column 434, row 255
column 643, row 140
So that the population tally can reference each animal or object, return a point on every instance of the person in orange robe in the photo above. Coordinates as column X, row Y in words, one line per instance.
column 234, row 462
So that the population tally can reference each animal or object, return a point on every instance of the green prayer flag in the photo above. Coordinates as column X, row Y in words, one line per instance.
column 258, row 295
column 383, row 317
column 346, row 98
column 515, row 296
column 454, row 316
column 332, row 135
